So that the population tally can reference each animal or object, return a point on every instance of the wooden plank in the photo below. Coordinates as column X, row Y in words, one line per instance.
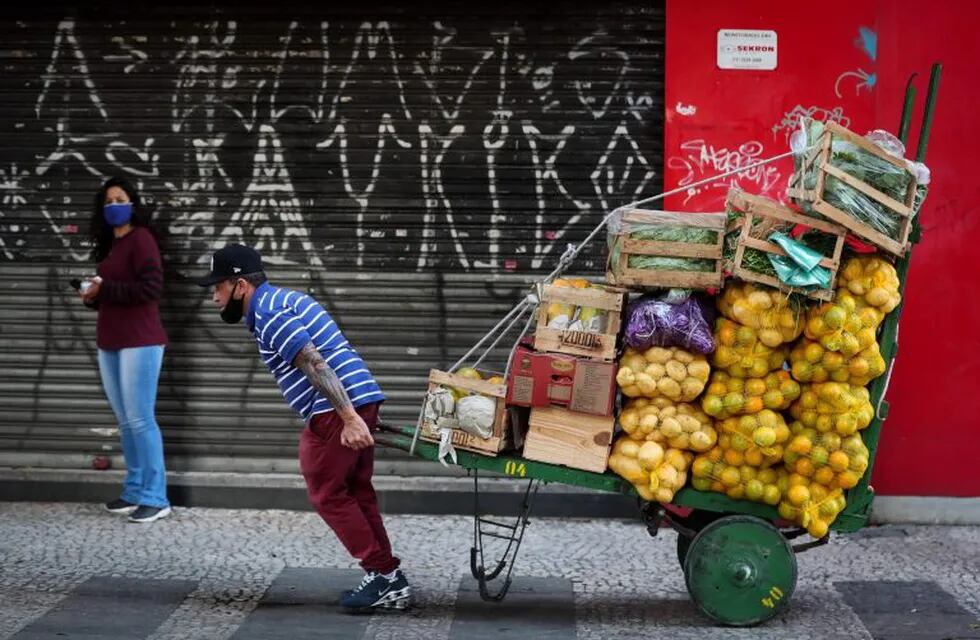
column 556, row 341
column 468, row 384
column 675, row 249
column 576, row 440
column 746, row 274
column 770, row 208
column 606, row 299
column 905, row 231
column 860, row 229
column 822, row 159
column 667, row 279
column 462, row 440
column 667, row 219
column 868, row 190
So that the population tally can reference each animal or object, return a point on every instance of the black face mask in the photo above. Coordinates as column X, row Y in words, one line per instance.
column 235, row 309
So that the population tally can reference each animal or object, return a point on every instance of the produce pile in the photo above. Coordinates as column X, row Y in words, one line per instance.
column 777, row 416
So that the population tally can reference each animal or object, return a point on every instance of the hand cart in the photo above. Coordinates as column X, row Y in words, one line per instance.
column 738, row 557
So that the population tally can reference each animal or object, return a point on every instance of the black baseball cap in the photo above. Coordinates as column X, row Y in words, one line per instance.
column 231, row 261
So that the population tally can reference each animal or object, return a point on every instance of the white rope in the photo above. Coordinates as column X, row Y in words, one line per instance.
column 504, row 332
column 563, row 263
column 527, row 327
column 518, row 307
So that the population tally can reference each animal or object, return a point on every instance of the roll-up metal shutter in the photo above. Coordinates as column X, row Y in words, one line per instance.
column 411, row 167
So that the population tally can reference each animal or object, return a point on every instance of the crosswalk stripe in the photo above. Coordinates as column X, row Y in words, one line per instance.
column 303, row 604
column 539, row 608
column 913, row 610
column 110, row 607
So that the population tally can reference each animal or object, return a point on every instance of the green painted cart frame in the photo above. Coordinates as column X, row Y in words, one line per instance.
column 739, row 567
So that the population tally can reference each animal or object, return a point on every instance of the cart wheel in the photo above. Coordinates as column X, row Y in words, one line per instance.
column 697, row 520
column 740, row 571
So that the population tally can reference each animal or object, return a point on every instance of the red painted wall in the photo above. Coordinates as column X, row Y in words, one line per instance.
column 849, row 61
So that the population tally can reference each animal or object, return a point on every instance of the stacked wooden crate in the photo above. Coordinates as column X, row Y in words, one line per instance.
column 557, row 434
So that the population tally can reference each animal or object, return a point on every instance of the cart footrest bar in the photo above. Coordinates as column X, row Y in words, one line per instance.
column 502, row 525
column 498, row 536
column 804, row 546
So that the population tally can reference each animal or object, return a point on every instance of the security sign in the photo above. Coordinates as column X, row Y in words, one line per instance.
column 746, row 49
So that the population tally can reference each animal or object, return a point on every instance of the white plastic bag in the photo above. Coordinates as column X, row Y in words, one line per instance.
column 475, row 415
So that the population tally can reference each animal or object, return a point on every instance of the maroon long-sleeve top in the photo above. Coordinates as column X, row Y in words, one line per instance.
column 129, row 297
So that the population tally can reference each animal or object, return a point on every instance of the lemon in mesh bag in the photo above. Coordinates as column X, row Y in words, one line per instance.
column 676, row 425
column 772, row 313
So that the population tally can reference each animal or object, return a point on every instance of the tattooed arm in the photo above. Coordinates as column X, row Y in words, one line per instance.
column 355, row 434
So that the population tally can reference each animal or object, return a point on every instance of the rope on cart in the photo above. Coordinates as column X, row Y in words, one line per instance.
column 532, row 300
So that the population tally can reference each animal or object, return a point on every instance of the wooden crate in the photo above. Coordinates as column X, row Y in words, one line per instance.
column 598, row 346
column 819, row 160
column 627, row 276
column 758, row 208
column 501, row 438
column 564, row 437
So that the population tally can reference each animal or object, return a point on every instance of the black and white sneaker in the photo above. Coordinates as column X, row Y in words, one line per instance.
column 149, row 514
column 378, row 592
column 120, row 506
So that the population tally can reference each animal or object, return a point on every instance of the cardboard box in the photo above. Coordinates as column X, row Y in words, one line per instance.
column 580, row 384
column 576, row 440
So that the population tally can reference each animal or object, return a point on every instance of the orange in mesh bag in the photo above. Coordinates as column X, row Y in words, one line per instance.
column 834, row 407
column 710, row 472
column 811, row 362
column 742, row 353
column 826, row 458
column 727, row 396
column 772, row 313
column 841, row 327
column 810, row 504
column 756, row 440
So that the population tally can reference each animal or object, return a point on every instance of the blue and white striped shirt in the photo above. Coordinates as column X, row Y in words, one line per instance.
column 283, row 321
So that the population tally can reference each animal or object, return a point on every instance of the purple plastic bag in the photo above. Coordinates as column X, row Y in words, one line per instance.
column 657, row 323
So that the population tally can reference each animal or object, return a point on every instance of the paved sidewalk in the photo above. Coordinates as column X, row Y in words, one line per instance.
column 71, row 570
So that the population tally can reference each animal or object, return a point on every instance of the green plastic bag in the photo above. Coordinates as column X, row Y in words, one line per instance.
column 801, row 266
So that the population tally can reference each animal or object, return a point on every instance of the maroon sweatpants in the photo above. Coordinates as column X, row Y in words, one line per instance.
column 338, row 481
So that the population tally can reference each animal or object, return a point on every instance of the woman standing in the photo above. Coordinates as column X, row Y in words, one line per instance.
column 131, row 339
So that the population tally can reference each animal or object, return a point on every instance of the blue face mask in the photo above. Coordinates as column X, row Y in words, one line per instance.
column 118, row 214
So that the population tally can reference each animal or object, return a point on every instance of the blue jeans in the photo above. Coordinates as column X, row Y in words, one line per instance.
column 129, row 378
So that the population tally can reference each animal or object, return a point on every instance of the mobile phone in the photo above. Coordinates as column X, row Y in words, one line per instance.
column 78, row 285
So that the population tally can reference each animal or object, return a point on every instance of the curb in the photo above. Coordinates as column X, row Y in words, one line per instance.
column 422, row 495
